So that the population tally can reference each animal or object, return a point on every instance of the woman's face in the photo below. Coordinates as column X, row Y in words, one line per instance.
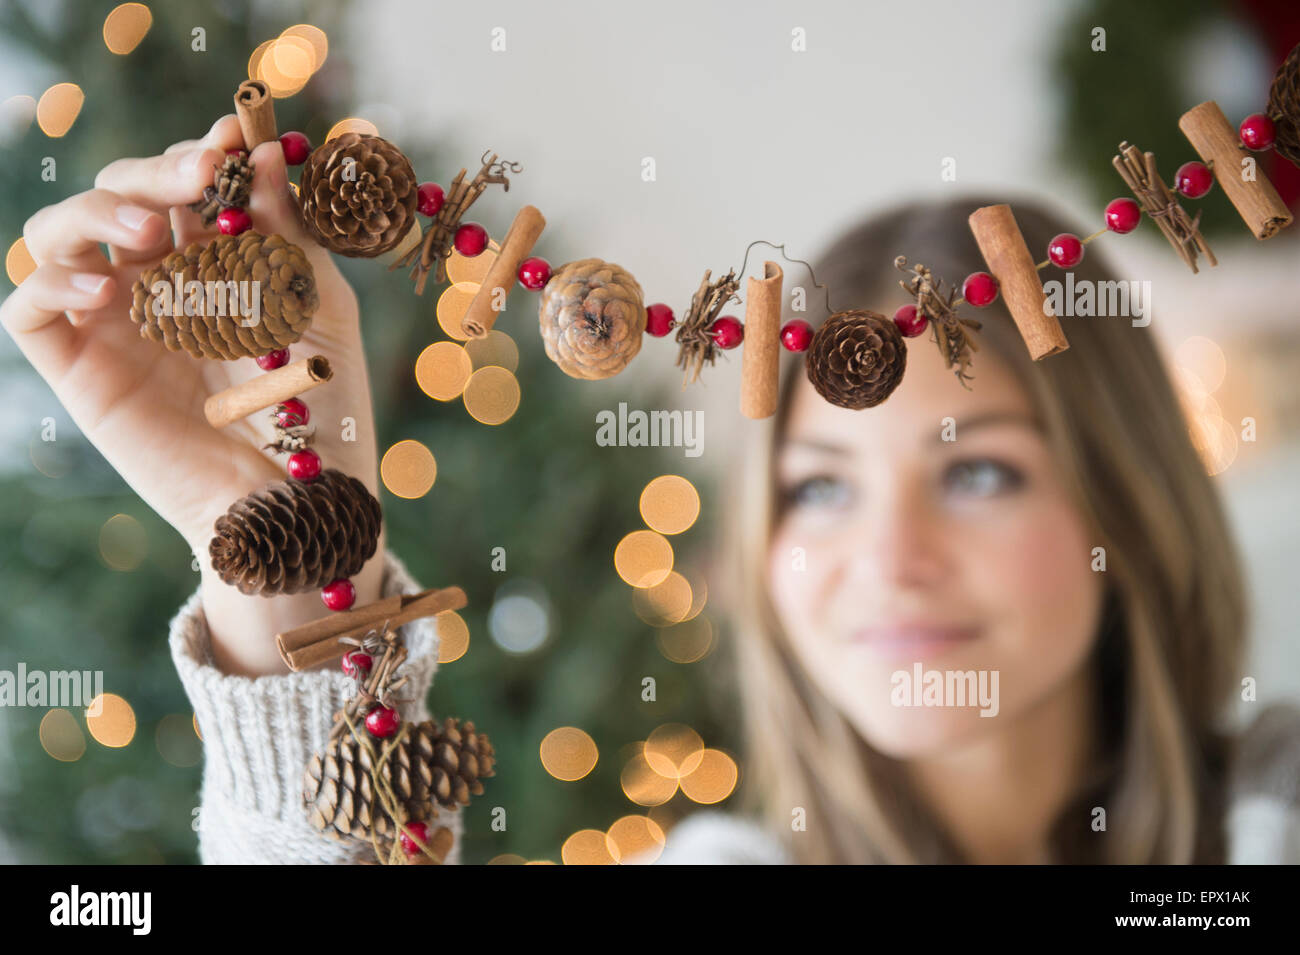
column 895, row 547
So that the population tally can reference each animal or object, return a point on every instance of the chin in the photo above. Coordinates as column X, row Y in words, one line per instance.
column 915, row 732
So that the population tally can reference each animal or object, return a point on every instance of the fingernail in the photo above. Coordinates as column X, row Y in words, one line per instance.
column 88, row 282
column 133, row 217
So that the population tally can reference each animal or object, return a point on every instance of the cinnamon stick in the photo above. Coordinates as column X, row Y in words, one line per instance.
column 1008, row 258
column 321, row 640
column 1258, row 203
column 760, row 359
column 265, row 391
column 519, row 241
column 256, row 111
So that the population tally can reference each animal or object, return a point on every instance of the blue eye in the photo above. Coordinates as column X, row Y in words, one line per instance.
column 819, row 491
column 981, row 477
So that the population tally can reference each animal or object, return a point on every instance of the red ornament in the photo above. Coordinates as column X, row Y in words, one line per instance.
column 297, row 148
column 339, row 594
column 233, row 221
column 273, row 360
column 1257, row 132
column 909, row 321
column 382, row 721
column 534, row 273
column 304, row 465
column 431, row 197
column 727, row 332
column 471, row 239
column 796, row 335
column 1193, row 179
column 980, row 289
column 659, row 320
column 291, row 413
column 357, row 663
column 1123, row 215
column 420, row 830
column 1065, row 250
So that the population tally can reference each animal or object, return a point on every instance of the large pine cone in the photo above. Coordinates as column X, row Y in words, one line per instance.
column 286, row 287
column 1284, row 107
column 292, row 536
column 592, row 318
column 431, row 766
column 856, row 359
column 357, row 195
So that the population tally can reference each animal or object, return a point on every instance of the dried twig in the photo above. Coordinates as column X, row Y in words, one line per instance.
column 950, row 330
column 695, row 344
column 1138, row 171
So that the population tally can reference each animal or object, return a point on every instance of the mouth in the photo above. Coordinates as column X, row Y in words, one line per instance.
column 919, row 639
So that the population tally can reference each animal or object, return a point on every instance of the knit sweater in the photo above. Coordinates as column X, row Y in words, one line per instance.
column 258, row 734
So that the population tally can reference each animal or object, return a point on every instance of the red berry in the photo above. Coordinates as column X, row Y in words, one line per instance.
column 909, row 321
column 1065, row 250
column 304, row 465
column 471, row 239
column 233, row 221
column 659, row 320
column 980, row 289
column 431, row 197
column 420, row 830
column 1123, row 215
column 297, row 148
column 727, row 332
column 382, row 721
column 534, row 273
column 235, row 152
column 339, row 594
column 357, row 663
column 273, row 360
column 796, row 335
column 291, row 413
column 1193, row 179
column 1257, row 131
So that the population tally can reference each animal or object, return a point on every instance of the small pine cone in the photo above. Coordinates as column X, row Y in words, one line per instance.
column 357, row 195
column 856, row 359
column 232, row 184
column 1284, row 107
column 592, row 318
column 292, row 536
column 286, row 290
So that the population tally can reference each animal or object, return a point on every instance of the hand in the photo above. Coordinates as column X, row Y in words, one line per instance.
column 142, row 405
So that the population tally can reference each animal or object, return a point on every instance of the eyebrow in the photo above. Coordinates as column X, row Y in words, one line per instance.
column 984, row 419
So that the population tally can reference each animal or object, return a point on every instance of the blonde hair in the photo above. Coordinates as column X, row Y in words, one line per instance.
column 1168, row 652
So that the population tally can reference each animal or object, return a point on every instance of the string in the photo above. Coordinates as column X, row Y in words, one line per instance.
column 781, row 248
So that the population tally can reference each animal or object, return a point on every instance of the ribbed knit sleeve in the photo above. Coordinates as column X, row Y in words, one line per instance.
column 259, row 732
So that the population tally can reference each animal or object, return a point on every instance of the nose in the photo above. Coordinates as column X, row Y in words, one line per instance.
column 897, row 540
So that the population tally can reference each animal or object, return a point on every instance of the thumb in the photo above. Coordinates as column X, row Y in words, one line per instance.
column 272, row 204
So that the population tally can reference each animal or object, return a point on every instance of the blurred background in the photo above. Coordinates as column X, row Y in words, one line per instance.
column 751, row 139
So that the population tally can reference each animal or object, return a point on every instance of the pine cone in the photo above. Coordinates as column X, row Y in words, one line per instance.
column 592, row 318
column 232, row 184
column 286, row 286
column 856, row 359
column 292, row 536
column 431, row 766
column 357, row 195
column 1284, row 107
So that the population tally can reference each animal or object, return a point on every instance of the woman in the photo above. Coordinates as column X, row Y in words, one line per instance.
column 1051, row 537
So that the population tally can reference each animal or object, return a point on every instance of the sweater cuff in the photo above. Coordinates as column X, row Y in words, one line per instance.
column 259, row 733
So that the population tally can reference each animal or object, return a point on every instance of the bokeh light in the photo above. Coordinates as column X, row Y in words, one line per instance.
column 61, row 736
column 568, row 753
column 670, row 504
column 353, row 124
column 492, row 395
column 453, row 636
column 643, row 785
column 58, row 109
column 123, row 543
column 586, row 847
column 495, row 348
column 17, row 114
column 666, row 603
column 673, row 750
column 712, row 780
column 520, row 618
column 643, row 558
column 408, row 469
column 19, row 262
column 1204, row 359
column 507, row 858
column 114, row 726
column 686, row 642
column 442, row 370
column 472, row 268
column 638, row 836
column 125, row 26
column 452, row 305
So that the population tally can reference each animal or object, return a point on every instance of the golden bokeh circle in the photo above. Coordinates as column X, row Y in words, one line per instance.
column 352, row 124
column 315, row 36
column 670, row 504
column 62, row 738
column 19, row 262
column 58, row 109
column 123, row 543
column 472, row 268
column 686, row 642
column 453, row 636
column 643, row 558
column 495, row 348
column 255, row 59
column 643, row 785
column 666, row 603
column 507, row 858
column 673, row 750
column 712, row 780
column 442, row 370
column 568, row 753
column 586, row 847
column 1202, row 358
column 452, row 305
column 293, row 58
column 125, row 26
column 635, row 836
column 492, row 395
column 408, row 469
column 111, row 720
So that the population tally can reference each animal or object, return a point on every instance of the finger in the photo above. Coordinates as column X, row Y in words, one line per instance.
column 70, row 231
column 160, row 182
column 33, row 313
column 272, row 205
column 225, row 133
column 187, row 225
